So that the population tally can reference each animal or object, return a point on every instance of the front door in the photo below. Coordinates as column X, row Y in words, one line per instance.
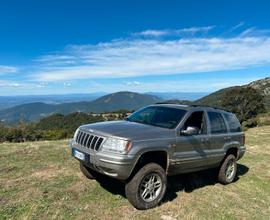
column 191, row 151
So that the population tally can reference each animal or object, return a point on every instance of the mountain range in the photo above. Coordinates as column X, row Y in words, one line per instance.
column 10, row 101
column 112, row 102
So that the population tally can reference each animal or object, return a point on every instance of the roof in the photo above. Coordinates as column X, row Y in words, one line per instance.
column 189, row 107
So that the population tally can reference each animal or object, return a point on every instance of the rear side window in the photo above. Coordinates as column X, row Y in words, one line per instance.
column 233, row 122
column 217, row 123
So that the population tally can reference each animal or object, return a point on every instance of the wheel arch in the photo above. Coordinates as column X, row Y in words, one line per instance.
column 155, row 156
column 232, row 150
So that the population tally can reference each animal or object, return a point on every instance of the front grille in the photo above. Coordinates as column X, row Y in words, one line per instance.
column 89, row 140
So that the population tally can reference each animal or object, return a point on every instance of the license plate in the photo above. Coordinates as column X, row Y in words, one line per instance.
column 78, row 154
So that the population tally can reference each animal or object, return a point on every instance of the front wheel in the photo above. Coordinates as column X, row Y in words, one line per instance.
column 147, row 188
column 227, row 170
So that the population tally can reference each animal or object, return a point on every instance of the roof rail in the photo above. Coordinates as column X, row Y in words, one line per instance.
column 208, row 106
column 173, row 103
column 192, row 105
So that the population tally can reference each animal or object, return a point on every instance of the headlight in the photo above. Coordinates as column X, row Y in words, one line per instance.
column 116, row 145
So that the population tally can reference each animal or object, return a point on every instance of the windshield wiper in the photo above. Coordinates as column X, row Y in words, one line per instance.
column 137, row 121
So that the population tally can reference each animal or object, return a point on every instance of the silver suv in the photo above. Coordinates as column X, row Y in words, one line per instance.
column 159, row 141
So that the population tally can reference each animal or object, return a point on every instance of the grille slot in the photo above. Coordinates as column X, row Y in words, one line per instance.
column 100, row 140
column 94, row 142
column 89, row 140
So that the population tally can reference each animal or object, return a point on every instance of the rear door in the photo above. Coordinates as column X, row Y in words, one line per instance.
column 236, row 137
column 219, row 136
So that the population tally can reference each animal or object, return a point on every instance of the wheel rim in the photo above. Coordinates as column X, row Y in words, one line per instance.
column 150, row 187
column 230, row 169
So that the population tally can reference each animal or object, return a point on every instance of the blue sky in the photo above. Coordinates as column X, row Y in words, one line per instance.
column 79, row 46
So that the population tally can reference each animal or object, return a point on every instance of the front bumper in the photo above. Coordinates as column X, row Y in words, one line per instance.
column 107, row 163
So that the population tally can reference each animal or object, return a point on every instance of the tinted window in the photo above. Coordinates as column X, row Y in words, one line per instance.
column 217, row 123
column 233, row 122
column 196, row 119
column 158, row 116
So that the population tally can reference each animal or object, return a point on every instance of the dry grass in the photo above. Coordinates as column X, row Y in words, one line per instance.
column 42, row 181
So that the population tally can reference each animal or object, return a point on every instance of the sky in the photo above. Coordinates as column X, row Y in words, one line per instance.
column 88, row 46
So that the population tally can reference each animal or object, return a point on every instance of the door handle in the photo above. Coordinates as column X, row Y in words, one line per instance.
column 204, row 140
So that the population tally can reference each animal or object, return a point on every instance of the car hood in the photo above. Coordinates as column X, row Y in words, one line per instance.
column 128, row 130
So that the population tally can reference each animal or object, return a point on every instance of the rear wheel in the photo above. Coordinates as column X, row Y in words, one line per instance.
column 147, row 188
column 227, row 170
column 87, row 171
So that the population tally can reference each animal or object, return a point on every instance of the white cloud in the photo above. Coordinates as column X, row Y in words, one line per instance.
column 152, row 33
column 67, row 84
column 239, row 25
column 15, row 85
column 194, row 30
column 254, row 32
column 173, row 32
column 7, row 69
column 56, row 60
column 145, row 57
column 10, row 84
column 133, row 83
column 42, row 85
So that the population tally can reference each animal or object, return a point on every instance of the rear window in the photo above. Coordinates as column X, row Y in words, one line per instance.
column 234, row 125
column 217, row 123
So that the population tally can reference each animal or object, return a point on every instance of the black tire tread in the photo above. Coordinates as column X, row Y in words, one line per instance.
column 222, row 170
column 132, row 187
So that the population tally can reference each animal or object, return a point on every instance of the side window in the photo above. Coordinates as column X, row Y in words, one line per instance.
column 233, row 122
column 196, row 119
column 217, row 123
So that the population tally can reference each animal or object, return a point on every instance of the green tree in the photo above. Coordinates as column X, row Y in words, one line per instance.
column 245, row 102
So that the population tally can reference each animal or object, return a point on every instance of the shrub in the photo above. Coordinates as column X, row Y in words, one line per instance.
column 263, row 119
column 245, row 102
column 250, row 123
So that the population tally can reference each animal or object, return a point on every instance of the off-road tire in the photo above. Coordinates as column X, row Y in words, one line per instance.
column 87, row 171
column 132, row 188
column 222, row 177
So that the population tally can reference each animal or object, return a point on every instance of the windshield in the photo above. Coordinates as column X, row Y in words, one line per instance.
column 160, row 116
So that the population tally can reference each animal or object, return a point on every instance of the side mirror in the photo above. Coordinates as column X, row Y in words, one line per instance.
column 190, row 131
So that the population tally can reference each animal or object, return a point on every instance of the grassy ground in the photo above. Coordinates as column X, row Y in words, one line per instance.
column 41, row 181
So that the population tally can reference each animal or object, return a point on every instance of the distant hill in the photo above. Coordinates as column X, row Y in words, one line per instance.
column 27, row 112
column 191, row 96
column 214, row 99
column 10, row 101
column 112, row 102
column 123, row 100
